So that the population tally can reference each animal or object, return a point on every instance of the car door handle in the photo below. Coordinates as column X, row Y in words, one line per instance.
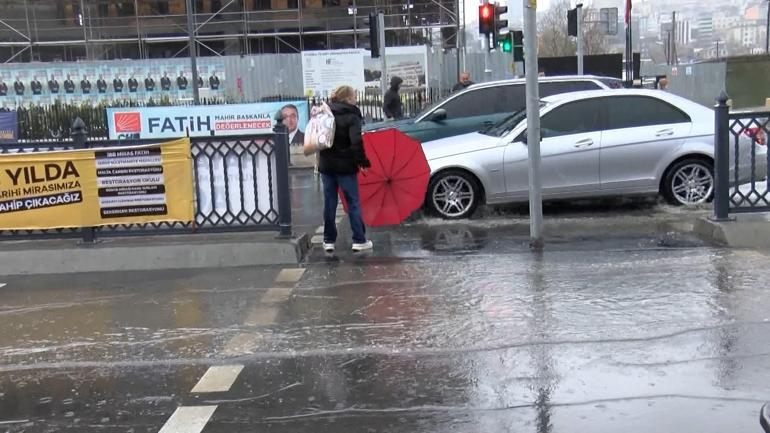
column 665, row 133
column 584, row 143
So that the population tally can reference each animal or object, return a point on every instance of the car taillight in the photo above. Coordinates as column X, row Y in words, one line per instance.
column 757, row 134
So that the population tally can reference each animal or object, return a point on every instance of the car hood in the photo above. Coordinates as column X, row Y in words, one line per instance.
column 458, row 144
column 385, row 125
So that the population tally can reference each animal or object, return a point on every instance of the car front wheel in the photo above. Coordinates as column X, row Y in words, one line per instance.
column 453, row 194
column 689, row 182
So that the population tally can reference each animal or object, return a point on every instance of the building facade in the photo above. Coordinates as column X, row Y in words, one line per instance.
column 68, row 30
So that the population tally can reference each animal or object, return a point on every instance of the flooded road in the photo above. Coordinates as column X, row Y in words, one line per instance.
column 444, row 327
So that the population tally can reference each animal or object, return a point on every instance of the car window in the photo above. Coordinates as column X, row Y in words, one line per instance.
column 478, row 102
column 572, row 118
column 636, row 111
column 612, row 83
column 514, row 98
column 557, row 87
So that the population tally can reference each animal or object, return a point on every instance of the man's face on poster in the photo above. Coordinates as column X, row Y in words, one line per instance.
column 290, row 118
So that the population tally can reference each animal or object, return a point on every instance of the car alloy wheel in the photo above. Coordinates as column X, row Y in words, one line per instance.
column 692, row 184
column 453, row 196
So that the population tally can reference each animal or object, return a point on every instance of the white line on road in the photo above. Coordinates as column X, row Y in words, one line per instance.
column 189, row 419
column 289, row 275
column 2, row 285
column 218, row 378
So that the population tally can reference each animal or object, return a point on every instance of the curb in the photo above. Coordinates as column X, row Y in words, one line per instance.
column 153, row 253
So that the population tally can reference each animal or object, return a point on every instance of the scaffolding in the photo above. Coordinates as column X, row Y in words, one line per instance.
column 70, row 30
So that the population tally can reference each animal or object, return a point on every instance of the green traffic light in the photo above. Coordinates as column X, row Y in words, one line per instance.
column 507, row 47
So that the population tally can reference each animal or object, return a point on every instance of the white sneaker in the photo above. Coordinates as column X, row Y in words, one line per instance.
column 329, row 248
column 366, row 246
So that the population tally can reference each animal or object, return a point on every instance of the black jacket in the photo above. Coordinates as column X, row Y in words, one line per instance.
column 347, row 154
column 392, row 105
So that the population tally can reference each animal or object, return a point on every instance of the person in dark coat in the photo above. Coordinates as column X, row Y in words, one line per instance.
column 3, row 88
column 149, row 83
column 464, row 83
column 165, row 82
column 181, row 82
column 117, row 85
column 392, row 106
column 85, row 85
column 339, row 167
column 101, row 85
column 36, row 86
column 69, row 85
column 18, row 87
column 53, row 85
column 133, row 84
column 214, row 81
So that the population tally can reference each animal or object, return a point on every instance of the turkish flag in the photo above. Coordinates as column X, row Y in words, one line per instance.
column 628, row 11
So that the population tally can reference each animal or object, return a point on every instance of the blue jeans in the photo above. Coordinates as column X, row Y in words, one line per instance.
column 349, row 186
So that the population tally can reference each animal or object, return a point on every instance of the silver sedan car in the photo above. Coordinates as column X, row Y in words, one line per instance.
column 594, row 144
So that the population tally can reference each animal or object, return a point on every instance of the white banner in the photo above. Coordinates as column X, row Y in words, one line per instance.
column 323, row 71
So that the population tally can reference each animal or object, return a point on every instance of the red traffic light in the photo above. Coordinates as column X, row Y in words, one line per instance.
column 486, row 18
column 485, row 11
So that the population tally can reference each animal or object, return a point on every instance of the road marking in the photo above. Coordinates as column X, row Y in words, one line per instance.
column 275, row 295
column 319, row 230
column 261, row 317
column 243, row 344
column 2, row 285
column 289, row 275
column 315, row 240
column 218, row 378
column 188, row 419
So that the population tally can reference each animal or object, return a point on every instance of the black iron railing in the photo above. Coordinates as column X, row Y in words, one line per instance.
column 241, row 184
column 741, row 160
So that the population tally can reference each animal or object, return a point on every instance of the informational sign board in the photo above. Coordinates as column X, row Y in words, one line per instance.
column 408, row 63
column 324, row 71
column 95, row 187
column 203, row 120
column 9, row 127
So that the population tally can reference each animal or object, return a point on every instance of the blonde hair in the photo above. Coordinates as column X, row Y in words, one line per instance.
column 342, row 93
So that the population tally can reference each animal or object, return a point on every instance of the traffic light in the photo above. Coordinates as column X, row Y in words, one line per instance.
column 374, row 34
column 572, row 22
column 486, row 18
column 517, row 39
column 507, row 43
column 499, row 23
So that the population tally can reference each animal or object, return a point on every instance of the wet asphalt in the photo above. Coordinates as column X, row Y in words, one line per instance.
column 444, row 327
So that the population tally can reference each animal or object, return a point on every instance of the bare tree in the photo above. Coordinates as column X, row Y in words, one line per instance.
column 554, row 41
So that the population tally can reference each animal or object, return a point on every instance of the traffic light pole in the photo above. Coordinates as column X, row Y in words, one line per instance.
column 533, row 125
column 383, row 62
column 580, row 38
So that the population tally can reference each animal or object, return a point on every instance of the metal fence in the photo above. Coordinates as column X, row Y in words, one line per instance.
column 241, row 184
column 741, row 160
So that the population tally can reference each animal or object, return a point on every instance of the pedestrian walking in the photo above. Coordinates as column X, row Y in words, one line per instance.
column 392, row 106
column 339, row 166
column 464, row 83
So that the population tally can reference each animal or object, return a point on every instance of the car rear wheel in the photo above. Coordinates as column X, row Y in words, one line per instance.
column 689, row 182
column 453, row 194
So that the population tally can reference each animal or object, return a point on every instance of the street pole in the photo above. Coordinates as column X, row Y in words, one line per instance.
column 193, row 54
column 580, row 38
column 767, row 30
column 383, row 62
column 533, row 125
column 487, row 69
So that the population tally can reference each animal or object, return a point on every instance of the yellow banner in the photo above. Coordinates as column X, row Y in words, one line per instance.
column 96, row 187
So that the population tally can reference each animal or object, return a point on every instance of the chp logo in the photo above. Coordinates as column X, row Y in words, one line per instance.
column 128, row 124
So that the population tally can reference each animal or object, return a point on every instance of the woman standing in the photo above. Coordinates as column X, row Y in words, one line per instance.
column 339, row 167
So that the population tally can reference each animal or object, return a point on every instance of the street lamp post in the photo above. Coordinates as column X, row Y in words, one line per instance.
column 533, row 125
column 767, row 30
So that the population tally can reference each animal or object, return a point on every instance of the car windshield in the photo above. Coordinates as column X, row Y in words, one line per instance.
column 506, row 125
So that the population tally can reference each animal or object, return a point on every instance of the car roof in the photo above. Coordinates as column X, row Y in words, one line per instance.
column 689, row 106
column 551, row 79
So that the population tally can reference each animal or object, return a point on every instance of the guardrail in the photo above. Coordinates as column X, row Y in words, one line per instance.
column 741, row 160
column 241, row 184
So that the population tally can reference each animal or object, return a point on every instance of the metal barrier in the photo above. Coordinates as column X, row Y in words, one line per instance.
column 741, row 161
column 241, row 184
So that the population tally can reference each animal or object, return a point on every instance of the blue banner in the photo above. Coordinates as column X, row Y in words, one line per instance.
column 207, row 120
column 9, row 127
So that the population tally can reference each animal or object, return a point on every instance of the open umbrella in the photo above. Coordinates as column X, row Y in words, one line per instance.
column 397, row 181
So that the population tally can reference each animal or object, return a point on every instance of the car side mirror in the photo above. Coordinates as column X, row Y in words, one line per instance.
column 438, row 115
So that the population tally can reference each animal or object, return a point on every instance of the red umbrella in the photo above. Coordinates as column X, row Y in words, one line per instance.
column 395, row 185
